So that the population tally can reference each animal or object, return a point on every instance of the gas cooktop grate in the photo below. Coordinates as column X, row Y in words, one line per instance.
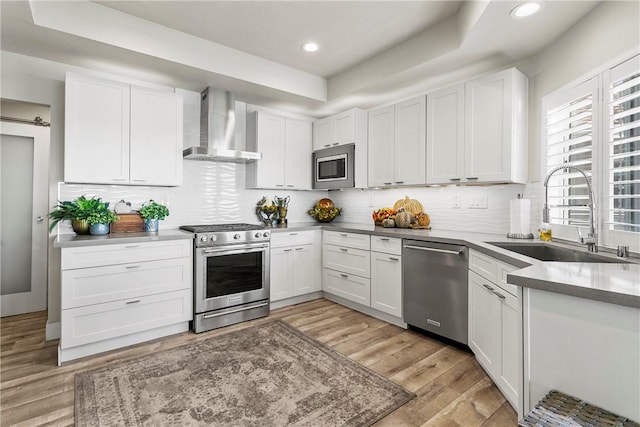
column 213, row 228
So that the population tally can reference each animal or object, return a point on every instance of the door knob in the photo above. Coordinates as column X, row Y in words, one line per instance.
column 39, row 219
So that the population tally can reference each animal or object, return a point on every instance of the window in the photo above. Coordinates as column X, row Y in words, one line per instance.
column 595, row 125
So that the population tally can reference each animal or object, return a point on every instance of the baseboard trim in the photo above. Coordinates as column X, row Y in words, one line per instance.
column 52, row 331
column 366, row 310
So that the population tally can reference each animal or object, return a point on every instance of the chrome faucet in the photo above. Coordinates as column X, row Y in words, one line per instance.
column 592, row 237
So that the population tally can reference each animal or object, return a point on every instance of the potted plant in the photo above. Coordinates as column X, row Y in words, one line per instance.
column 100, row 219
column 152, row 211
column 78, row 212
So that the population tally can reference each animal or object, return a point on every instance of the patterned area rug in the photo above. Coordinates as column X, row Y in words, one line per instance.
column 267, row 375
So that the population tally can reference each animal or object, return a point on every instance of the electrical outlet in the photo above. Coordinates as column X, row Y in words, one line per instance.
column 479, row 201
column 371, row 202
column 455, row 202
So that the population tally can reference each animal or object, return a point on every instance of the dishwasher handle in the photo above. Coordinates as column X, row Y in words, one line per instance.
column 445, row 251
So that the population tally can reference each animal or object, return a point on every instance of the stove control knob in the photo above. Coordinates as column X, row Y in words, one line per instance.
column 203, row 238
column 258, row 235
column 236, row 236
column 265, row 234
column 214, row 238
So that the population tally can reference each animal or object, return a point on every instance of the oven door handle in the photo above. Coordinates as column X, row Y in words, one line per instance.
column 237, row 310
column 236, row 250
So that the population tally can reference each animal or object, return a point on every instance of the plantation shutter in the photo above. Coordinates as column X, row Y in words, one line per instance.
column 569, row 135
column 622, row 158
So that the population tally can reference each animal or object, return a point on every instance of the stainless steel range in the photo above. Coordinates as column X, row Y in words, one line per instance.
column 231, row 274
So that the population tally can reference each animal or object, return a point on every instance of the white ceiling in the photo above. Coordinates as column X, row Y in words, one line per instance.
column 372, row 52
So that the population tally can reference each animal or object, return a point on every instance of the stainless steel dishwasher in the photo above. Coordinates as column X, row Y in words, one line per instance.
column 435, row 287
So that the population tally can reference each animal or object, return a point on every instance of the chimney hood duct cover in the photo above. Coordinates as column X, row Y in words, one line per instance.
column 218, row 129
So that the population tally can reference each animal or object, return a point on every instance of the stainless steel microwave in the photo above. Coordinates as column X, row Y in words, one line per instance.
column 333, row 167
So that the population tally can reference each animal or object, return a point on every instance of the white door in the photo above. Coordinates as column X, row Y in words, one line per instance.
column 24, row 176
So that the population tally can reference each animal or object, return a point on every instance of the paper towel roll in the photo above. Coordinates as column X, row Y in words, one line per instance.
column 520, row 216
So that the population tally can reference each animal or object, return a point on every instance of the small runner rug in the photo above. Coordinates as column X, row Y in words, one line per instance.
column 266, row 375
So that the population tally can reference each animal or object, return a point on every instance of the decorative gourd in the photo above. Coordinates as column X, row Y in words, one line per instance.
column 423, row 219
column 388, row 223
column 403, row 218
column 325, row 203
column 411, row 205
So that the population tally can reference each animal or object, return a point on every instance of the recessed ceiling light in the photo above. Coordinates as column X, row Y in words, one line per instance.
column 310, row 47
column 526, row 9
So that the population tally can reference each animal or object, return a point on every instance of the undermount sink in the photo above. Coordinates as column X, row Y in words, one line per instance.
column 546, row 252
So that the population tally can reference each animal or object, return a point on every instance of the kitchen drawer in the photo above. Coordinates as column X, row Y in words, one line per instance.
column 347, row 286
column 102, row 255
column 501, row 273
column 387, row 245
column 483, row 265
column 292, row 238
column 349, row 240
column 84, row 325
column 97, row 285
column 347, row 260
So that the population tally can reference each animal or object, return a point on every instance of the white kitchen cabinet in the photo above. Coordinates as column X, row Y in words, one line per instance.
column 445, row 135
column 339, row 129
column 136, row 292
column 116, row 133
column 386, row 275
column 346, row 262
column 295, row 264
column 397, row 144
column 477, row 131
column 494, row 324
column 285, row 144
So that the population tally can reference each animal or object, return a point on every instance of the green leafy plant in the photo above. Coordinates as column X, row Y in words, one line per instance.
column 93, row 210
column 153, row 210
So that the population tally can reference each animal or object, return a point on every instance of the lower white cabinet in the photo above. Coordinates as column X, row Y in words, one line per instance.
column 295, row 264
column 493, row 325
column 348, row 286
column 346, row 262
column 386, row 275
column 126, row 297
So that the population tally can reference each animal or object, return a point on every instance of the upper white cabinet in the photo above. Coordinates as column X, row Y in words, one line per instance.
column 397, row 144
column 338, row 129
column 490, row 115
column 116, row 133
column 285, row 144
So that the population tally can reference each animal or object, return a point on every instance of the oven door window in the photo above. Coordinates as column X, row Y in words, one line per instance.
column 332, row 168
column 234, row 274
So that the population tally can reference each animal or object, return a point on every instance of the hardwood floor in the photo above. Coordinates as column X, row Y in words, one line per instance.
column 451, row 388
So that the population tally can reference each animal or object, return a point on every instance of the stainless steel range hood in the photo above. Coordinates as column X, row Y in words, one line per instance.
column 218, row 129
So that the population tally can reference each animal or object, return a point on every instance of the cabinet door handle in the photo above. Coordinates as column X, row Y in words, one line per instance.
column 454, row 179
column 499, row 295
column 290, row 185
column 471, row 178
column 287, row 250
column 387, row 183
column 344, row 234
column 118, row 179
column 335, row 143
column 346, row 276
column 384, row 239
column 489, row 288
column 132, row 266
column 279, row 185
column 344, row 249
column 139, row 180
column 299, row 249
column 133, row 301
column 327, row 145
column 293, row 234
column 132, row 246
column 399, row 182
column 394, row 259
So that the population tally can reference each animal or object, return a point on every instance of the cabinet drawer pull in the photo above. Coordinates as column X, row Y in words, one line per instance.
column 383, row 239
column 299, row 249
column 499, row 295
column 472, row 177
column 133, row 301
column 287, row 250
column 346, row 276
column 132, row 266
column 387, row 183
column 489, row 288
column 454, row 179
column 293, row 234
column 139, row 180
column 118, row 179
column 394, row 259
column 399, row 182
column 290, row 185
column 344, row 249
column 132, row 246
column 279, row 185
column 327, row 145
column 344, row 234
column 335, row 143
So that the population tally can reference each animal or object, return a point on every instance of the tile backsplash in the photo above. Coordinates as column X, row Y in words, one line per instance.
column 215, row 193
